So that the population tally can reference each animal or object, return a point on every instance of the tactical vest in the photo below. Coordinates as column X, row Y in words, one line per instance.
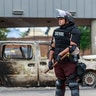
column 62, row 39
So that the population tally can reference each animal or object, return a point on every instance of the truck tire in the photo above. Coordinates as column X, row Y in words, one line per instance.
column 89, row 79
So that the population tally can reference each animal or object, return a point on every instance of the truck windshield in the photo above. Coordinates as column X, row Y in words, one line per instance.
column 17, row 51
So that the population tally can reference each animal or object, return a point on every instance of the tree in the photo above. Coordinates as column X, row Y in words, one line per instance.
column 85, row 38
column 3, row 33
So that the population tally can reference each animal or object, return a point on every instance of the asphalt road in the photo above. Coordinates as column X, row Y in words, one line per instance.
column 42, row 91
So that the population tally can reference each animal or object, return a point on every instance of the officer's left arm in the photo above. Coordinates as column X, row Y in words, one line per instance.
column 75, row 36
column 74, row 41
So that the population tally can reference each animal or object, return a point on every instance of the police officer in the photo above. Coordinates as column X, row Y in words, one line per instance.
column 65, row 39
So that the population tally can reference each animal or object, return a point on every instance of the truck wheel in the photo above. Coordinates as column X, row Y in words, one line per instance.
column 89, row 79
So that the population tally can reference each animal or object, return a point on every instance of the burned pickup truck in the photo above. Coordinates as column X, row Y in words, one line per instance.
column 23, row 63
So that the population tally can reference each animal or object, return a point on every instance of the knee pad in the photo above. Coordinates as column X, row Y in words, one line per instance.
column 73, row 85
column 59, row 90
column 59, row 83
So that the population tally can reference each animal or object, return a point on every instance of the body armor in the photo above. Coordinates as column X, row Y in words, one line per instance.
column 62, row 38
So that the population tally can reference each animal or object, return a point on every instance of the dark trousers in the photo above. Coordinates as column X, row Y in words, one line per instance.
column 63, row 71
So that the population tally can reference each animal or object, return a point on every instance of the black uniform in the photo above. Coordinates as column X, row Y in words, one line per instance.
column 65, row 70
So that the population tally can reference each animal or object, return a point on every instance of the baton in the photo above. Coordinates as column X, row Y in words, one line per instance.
column 56, row 63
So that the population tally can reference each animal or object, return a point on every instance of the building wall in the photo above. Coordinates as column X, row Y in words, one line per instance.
column 46, row 8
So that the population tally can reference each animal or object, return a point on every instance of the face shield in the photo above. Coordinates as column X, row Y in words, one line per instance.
column 60, row 13
column 64, row 14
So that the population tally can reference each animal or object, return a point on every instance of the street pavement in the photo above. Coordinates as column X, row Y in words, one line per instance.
column 42, row 91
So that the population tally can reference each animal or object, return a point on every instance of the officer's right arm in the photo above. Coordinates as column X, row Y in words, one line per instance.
column 51, row 54
column 50, row 64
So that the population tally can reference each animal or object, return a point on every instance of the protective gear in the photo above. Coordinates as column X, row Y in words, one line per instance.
column 75, row 35
column 72, row 48
column 74, row 87
column 74, row 53
column 64, row 14
column 58, row 58
column 50, row 65
column 81, row 69
column 59, row 90
column 62, row 38
column 59, row 83
column 52, row 48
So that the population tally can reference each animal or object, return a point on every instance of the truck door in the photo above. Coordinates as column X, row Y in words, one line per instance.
column 49, row 78
column 18, row 66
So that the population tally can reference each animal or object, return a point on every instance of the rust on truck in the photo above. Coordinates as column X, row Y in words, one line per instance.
column 23, row 63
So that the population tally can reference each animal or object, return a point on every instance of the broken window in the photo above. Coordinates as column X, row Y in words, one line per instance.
column 17, row 51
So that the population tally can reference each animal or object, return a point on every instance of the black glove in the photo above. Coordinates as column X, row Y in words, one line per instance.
column 50, row 65
column 58, row 58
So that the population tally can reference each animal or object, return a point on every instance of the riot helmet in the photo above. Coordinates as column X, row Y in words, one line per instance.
column 64, row 14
